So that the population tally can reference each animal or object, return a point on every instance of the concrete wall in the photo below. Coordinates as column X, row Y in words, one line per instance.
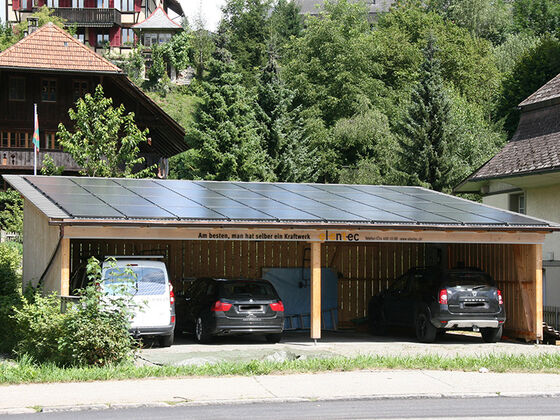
column 544, row 203
column 39, row 242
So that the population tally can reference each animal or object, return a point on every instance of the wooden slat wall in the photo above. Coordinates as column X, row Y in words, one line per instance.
column 505, row 263
column 363, row 269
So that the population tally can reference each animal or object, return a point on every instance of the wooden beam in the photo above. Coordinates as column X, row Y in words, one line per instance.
column 537, row 258
column 65, row 266
column 170, row 231
column 316, row 290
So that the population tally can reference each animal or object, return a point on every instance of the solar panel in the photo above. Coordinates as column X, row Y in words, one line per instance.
column 195, row 213
column 143, row 212
column 172, row 199
column 241, row 213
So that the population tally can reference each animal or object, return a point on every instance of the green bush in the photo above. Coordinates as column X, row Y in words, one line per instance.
column 96, row 329
column 39, row 325
column 93, row 331
column 10, row 292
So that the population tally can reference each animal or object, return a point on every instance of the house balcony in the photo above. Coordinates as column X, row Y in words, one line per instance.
column 18, row 160
column 89, row 17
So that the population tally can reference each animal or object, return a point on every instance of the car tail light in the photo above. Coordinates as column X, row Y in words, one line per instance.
column 173, row 319
column 278, row 306
column 443, row 296
column 171, row 294
column 220, row 306
column 500, row 298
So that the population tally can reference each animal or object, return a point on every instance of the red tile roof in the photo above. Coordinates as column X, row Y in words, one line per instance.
column 52, row 48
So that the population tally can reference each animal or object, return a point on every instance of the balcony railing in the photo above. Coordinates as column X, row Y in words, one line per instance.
column 89, row 17
column 22, row 159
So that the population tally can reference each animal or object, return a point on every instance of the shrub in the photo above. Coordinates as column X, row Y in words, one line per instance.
column 96, row 330
column 10, row 292
column 39, row 325
column 93, row 331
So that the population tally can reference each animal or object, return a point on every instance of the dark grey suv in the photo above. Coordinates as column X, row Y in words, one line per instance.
column 433, row 300
column 211, row 307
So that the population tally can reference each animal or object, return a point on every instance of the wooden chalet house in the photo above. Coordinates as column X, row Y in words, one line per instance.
column 100, row 23
column 52, row 69
column 524, row 176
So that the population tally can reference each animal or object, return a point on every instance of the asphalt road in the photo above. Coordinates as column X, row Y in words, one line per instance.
column 435, row 408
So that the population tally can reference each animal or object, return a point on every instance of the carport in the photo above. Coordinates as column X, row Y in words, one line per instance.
column 361, row 236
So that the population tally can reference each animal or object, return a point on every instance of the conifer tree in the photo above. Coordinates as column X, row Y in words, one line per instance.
column 425, row 134
column 285, row 140
column 226, row 139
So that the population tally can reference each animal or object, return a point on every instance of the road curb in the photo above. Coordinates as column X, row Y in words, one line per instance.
column 121, row 406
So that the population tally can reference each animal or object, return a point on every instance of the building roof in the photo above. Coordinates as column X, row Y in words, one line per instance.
column 78, row 200
column 157, row 20
column 52, row 48
column 550, row 90
column 533, row 149
column 313, row 7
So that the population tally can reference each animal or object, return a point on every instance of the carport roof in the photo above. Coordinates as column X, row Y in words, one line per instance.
column 179, row 202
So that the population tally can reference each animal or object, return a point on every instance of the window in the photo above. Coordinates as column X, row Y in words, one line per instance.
column 17, row 89
column 127, row 36
column 102, row 38
column 78, row 4
column 127, row 5
column 79, row 89
column 102, row 4
column 49, row 142
column 517, row 203
column 17, row 139
column 80, row 35
column 48, row 90
column 52, row 3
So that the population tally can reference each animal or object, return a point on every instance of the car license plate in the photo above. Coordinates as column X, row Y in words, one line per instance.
column 250, row 319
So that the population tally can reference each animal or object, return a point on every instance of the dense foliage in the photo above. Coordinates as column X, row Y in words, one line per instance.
column 104, row 140
column 91, row 332
column 342, row 97
column 337, row 98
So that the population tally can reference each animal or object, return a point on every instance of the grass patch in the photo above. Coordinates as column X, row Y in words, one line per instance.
column 25, row 371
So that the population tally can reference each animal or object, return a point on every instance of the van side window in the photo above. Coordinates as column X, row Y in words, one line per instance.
column 211, row 289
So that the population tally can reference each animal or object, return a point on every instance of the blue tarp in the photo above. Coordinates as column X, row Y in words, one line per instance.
column 294, row 287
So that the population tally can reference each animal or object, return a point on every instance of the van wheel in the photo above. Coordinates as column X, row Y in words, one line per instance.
column 200, row 332
column 425, row 331
column 166, row 340
column 491, row 335
column 273, row 338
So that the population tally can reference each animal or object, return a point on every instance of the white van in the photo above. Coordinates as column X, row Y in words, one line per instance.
column 152, row 295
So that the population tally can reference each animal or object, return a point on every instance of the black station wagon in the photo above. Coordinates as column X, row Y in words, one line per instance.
column 212, row 307
column 433, row 300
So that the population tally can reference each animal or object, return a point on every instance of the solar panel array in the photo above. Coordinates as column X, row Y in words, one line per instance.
column 118, row 198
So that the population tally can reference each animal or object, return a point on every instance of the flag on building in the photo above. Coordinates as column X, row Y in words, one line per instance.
column 36, row 131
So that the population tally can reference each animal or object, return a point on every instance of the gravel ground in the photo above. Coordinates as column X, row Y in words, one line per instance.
column 298, row 345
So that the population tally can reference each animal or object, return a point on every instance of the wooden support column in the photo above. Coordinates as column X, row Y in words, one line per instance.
column 65, row 266
column 528, row 268
column 537, row 259
column 315, row 290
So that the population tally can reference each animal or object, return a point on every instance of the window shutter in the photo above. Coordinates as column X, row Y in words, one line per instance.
column 115, row 36
column 137, row 5
column 15, row 4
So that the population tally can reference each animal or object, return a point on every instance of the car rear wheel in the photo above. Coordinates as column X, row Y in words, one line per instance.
column 200, row 331
column 273, row 338
column 425, row 331
column 491, row 335
column 166, row 340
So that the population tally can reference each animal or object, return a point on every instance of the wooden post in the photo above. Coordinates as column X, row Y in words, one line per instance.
column 65, row 266
column 316, row 290
column 536, row 255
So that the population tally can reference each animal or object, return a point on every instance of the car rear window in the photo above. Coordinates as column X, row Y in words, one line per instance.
column 243, row 289
column 468, row 279
column 145, row 281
